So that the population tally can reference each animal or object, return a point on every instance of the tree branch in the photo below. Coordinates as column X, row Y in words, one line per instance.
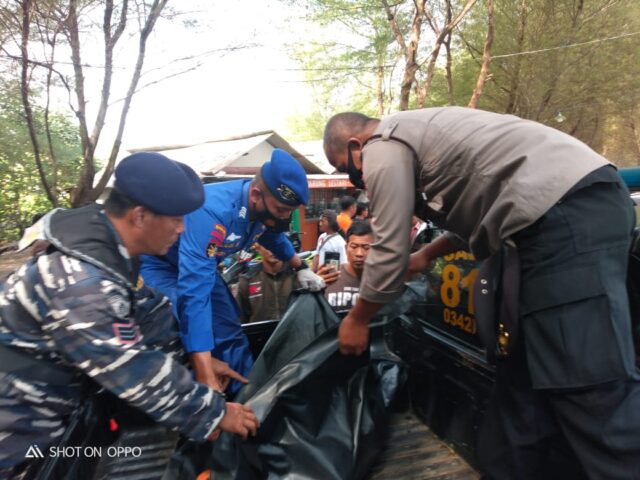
column 154, row 13
column 394, row 26
column 486, row 56
column 24, row 90
column 73, row 36
column 446, row 30
column 48, row 66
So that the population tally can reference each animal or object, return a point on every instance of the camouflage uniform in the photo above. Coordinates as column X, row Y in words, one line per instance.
column 76, row 306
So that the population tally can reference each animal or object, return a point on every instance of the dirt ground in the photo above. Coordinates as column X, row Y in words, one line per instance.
column 9, row 261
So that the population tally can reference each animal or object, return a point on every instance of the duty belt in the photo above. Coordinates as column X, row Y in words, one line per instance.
column 496, row 294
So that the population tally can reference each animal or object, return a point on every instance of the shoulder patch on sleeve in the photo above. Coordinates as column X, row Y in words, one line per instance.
column 119, row 305
column 218, row 232
column 216, row 238
column 212, row 248
column 126, row 333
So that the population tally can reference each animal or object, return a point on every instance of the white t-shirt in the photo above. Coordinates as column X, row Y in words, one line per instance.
column 335, row 244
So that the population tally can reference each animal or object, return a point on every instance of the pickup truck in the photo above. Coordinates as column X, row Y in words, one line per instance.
column 106, row 439
column 436, row 419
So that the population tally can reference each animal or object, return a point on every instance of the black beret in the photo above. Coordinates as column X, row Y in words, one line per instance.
column 162, row 185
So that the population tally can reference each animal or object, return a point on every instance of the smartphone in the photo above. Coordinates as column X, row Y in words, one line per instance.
column 333, row 259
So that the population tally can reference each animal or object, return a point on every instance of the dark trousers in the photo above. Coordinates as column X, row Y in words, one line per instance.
column 567, row 401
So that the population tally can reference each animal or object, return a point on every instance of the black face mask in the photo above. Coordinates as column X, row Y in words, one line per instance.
column 269, row 220
column 355, row 175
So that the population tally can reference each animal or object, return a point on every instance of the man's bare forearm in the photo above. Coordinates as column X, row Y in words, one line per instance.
column 419, row 261
column 364, row 310
column 203, row 367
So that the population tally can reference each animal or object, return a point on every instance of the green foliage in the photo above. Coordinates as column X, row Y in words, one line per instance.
column 21, row 192
column 308, row 127
column 581, row 68
column 580, row 72
column 347, row 64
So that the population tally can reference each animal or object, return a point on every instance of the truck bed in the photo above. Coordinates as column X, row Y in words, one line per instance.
column 414, row 452
column 157, row 445
column 411, row 450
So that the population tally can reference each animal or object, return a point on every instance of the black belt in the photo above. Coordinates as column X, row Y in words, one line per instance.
column 20, row 363
column 496, row 295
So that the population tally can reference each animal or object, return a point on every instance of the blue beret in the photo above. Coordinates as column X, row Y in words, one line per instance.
column 286, row 179
column 164, row 186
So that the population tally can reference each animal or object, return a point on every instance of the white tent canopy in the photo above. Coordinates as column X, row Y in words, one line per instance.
column 234, row 155
column 313, row 150
column 237, row 155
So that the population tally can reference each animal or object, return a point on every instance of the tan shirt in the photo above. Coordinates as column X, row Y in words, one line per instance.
column 484, row 176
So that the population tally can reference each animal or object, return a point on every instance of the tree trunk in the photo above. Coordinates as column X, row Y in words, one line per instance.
column 380, row 90
column 559, row 67
column 26, row 6
column 154, row 14
column 486, row 55
column 409, row 49
column 447, row 46
column 88, row 171
column 110, row 41
column 423, row 89
column 86, row 192
column 47, row 123
column 635, row 129
column 514, row 94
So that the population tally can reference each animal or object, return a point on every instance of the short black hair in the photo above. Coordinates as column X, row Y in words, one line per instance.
column 342, row 126
column 362, row 206
column 346, row 202
column 332, row 219
column 359, row 228
column 117, row 204
column 258, row 181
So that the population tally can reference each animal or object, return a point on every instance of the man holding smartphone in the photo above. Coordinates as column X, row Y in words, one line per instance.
column 343, row 284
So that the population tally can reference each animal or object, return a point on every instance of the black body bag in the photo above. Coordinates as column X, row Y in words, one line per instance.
column 323, row 415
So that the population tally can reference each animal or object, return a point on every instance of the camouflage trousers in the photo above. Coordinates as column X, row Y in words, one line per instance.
column 33, row 417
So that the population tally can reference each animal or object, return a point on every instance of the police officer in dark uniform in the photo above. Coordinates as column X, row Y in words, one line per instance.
column 73, row 312
column 567, row 388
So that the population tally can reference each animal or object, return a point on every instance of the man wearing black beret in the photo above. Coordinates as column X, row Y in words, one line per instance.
column 234, row 216
column 74, row 312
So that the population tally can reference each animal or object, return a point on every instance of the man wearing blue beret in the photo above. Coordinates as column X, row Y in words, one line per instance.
column 235, row 215
column 74, row 312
